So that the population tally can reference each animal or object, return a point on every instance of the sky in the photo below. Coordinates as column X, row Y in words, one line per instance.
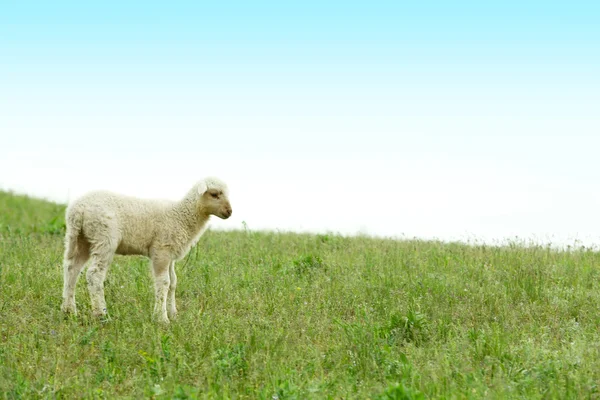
column 450, row 120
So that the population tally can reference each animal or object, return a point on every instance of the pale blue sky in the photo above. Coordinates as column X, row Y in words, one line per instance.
column 435, row 119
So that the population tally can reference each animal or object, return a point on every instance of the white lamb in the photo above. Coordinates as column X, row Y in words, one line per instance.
column 101, row 224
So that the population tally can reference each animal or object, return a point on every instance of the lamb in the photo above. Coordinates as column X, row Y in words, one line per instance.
column 101, row 224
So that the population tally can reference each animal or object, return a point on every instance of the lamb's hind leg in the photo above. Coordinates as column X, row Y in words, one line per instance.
column 96, row 274
column 77, row 252
column 102, row 250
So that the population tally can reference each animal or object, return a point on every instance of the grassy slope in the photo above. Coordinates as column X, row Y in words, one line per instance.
column 300, row 316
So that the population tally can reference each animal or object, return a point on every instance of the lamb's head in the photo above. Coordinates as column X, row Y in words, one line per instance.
column 214, row 196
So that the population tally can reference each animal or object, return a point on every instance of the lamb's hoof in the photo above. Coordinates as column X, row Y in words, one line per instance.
column 68, row 308
column 173, row 314
column 103, row 317
column 100, row 314
column 161, row 319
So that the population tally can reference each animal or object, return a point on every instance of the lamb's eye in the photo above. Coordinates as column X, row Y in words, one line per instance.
column 214, row 195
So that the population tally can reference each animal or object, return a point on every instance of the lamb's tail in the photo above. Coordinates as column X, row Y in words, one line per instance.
column 74, row 223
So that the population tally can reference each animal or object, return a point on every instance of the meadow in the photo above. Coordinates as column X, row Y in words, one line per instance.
column 295, row 316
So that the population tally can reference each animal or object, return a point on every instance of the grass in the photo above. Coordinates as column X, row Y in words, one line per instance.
column 287, row 316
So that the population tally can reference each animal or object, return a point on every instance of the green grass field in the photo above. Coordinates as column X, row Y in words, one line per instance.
column 287, row 316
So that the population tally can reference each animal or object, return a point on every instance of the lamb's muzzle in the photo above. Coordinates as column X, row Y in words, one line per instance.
column 228, row 211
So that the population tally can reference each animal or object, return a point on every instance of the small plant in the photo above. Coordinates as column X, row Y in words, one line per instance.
column 87, row 337
column 231, row 361
column 152, row 367
column 398, row 368
column 108, row 351
column 308, row 264
column 400, row 392
column 286, row 390
column 413, row 327
column 165, row 346
column 56, row 226
column 324, row 238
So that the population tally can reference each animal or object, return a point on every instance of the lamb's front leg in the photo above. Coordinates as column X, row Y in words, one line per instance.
column 171, row 299
column 160, row 267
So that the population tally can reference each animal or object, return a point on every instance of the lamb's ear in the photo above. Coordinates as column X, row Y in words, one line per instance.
column 202, row 188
